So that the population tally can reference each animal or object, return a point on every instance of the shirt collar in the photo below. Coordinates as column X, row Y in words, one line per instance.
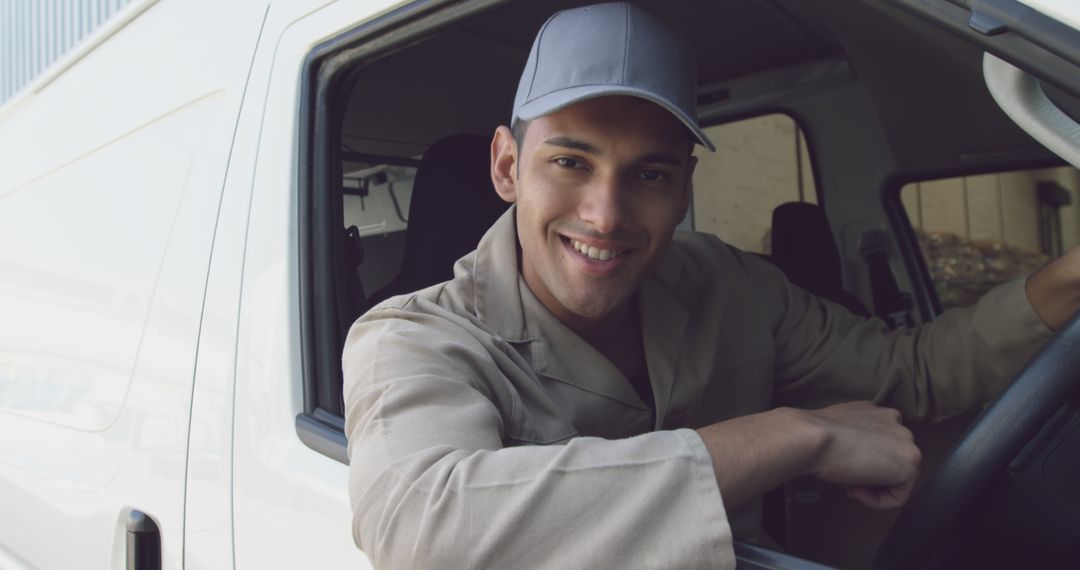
column 495, row 277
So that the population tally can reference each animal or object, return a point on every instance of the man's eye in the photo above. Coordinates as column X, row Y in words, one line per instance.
column 652, row 175
column 567, row 162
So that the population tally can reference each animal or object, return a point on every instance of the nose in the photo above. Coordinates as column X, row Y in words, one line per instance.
column 603, row 205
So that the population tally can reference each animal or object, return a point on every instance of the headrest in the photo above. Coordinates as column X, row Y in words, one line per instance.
column 803, row 246
column 453, row 203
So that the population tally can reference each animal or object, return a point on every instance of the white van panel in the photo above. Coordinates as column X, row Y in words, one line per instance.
column 1065, row 11
column 109, row 196
column 83, row 271
column 41, row 44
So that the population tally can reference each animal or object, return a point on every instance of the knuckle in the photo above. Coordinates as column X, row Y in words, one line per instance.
column 912, row 455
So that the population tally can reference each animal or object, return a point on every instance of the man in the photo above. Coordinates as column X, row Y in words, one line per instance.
column 589, row 391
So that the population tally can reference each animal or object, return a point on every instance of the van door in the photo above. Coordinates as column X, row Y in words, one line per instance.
column 290, row 504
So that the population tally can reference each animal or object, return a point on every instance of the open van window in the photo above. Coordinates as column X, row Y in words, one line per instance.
column 373, row 119
column 374, row 111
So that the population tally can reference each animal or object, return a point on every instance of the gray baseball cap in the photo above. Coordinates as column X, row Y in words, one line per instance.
column 608, row 49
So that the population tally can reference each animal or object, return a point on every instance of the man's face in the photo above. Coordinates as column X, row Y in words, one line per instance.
column 599, row 187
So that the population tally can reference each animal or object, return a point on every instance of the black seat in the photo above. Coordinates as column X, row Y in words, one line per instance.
column 453, row 203
column 804, row 249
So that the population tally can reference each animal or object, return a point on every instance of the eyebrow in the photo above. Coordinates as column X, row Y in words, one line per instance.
column 651, row 158
column 567, row 142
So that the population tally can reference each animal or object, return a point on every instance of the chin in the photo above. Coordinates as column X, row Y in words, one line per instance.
column 594, row 309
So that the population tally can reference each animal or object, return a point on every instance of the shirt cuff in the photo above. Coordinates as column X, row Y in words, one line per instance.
column 1016, row 308
column 703, row 479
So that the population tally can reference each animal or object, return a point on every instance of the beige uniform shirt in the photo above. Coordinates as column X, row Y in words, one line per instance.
column 485, row 434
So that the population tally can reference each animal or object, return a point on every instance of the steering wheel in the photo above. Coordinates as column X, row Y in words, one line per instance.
column 985, row 450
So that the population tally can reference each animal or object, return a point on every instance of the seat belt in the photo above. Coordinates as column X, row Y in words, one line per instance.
column 890, row 303
column 352, row 289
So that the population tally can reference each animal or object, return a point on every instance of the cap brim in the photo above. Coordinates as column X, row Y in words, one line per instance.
column 547, row 104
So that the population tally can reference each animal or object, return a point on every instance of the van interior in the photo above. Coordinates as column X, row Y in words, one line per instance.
column 861, row 135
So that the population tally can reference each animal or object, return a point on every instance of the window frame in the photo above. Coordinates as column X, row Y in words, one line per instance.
column 325, row 83
column 1017, row 33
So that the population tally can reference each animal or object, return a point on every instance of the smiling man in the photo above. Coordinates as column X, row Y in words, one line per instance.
column 608, row 180
column 592, row 389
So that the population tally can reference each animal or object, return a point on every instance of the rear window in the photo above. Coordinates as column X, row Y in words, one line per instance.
column 759, row 164
column 976, row 232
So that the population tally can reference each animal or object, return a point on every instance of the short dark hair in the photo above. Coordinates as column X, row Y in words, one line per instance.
column 519, row 133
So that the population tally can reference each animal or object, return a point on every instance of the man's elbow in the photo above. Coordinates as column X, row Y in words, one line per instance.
column 398, row 511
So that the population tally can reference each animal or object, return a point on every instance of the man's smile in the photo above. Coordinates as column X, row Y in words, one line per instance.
column 597, row 256
column 596, row 253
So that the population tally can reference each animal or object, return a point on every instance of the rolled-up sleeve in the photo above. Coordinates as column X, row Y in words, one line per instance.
column 434, row 481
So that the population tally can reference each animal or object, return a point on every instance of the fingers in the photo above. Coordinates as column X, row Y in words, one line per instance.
column 883, row 498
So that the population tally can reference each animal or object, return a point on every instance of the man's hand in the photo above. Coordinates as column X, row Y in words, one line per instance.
column 856, row 444
column 870, row 451
column 1054, row 290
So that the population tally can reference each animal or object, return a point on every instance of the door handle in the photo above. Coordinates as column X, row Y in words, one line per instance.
column 143, row 542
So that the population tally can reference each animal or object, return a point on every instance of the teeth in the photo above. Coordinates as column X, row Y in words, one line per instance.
column 594, row 252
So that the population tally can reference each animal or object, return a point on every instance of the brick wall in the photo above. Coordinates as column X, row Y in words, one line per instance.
column 999, row 207
column 759, row 163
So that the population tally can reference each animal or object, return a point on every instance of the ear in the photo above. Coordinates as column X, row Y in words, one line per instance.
column 504, row 164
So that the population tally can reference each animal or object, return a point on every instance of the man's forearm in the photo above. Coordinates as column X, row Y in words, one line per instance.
column 753, row 454
column 1054, row 290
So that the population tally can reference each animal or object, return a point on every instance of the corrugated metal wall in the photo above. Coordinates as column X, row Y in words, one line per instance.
column 35, row 33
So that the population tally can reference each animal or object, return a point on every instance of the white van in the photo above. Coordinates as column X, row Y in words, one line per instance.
column 196, row 205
